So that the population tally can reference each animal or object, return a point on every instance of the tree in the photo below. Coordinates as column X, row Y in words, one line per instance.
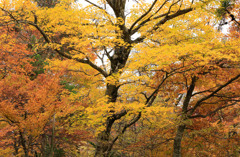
column 82, row 35
column 30, row 98
column 228, row 10
column 23, row 121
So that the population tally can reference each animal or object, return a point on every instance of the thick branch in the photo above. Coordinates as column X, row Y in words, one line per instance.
column 133, row 121
column 148, row 103
column 85, row 61
column 189, row 94
column 153, row 96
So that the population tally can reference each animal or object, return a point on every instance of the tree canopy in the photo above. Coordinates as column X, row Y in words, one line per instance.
column 119, row 78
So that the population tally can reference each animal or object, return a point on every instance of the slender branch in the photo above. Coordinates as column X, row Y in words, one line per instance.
column 87, row 61
column 179, row 99
column 108, row 53
column 161, row 22
column 174, row 3
column 213, row 112
column 83, row 72
column 155, row 145
column 172, row 16
column 35, row 17
column 101, row 59
column 133, row 121
column 153, row 96
column 148, row 19
column 145, row 95
column 143, row 15
column 199, row 102
column 232, row 17
column 204, row 91
column 95, row 5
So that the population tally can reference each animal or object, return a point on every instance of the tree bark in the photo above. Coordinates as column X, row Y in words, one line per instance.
column 102, row 145
column 16, row 146
column 178, row 140
column 118, row 61
column 181, row 127
column 112, row 92
column 23, row 143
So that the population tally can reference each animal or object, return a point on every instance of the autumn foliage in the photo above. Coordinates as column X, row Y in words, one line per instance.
column 119, row 78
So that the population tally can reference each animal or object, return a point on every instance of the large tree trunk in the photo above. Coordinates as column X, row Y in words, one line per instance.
column 103, row 145
column 118, row 61
column 178, row 140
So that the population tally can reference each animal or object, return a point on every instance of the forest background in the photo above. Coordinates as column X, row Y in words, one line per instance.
column 119, row 78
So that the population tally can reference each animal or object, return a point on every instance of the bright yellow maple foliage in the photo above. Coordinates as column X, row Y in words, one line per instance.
column 156, row 64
